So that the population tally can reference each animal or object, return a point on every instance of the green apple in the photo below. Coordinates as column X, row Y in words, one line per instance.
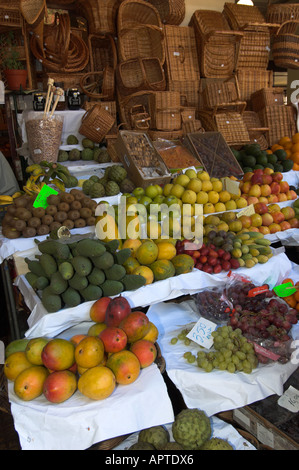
column 159, row 188
column 151, row 191
column 169, row 200
column 138, row 191
column 159, row 199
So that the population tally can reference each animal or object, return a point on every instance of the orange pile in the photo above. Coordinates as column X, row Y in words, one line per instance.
column 292, row 300
column 291, row 146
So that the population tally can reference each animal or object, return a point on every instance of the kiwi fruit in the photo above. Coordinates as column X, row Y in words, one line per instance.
column 63, row 206
column 93, row 205
column 11, row 209
column 43, row 229
column 51, row 209
column 86, row 202
column 91, row 221
column 75, row 205
column 23, row 213
column 85, row 212
column 60, row 216
column 74, row 215
column 34, row 222
column 19, row 225
column 38, row 212
column 29, row 232
column 53, row 199
column 80, row 223
column 67, row 197
column 47, row 219
column 69, row 223
column 22, row 201
column 54, row 225
column 7, row 219
column 10, row 232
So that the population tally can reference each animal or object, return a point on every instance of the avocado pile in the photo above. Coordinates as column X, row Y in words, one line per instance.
column 251, row 157
column 66, row 274
column 90, row 151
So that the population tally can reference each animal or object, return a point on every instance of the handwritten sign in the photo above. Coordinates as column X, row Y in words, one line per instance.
column 202, row 331
column 41, row 199
column 284, row 290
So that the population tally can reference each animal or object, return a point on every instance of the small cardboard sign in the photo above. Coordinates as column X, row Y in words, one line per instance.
column 201, row 332
column 231, row 186
column 41, row 199
column 248, row 211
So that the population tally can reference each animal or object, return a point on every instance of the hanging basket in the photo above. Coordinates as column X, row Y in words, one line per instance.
column 285, row 48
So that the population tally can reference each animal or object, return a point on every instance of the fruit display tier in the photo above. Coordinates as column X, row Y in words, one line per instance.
column 42, row 323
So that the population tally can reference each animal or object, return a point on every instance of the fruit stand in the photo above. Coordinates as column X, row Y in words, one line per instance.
column 149, row 239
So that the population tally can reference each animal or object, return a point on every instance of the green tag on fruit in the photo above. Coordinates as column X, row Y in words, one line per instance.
column 284, row 290
column 41, row 198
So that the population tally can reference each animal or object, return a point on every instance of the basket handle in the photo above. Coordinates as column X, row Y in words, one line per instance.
column 137, row 106
column 234, row 34
column 284, row 24
column 182, row 53
column 124, row 31
column 242, row 105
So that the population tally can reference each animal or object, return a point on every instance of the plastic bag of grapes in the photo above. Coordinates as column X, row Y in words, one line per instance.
column 213, row 305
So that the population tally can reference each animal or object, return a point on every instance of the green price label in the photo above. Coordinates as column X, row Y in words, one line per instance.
column 41, row 199
column 284, row 290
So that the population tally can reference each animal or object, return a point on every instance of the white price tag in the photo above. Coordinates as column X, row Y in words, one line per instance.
column 202, row 331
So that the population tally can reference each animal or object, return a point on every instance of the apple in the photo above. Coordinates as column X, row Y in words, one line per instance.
column 288, row 212
column 260, row 208
column 277, row 176
column 265, row 189
column 267, row 219
column 294, row 223
column 274, row 228
column 255, row 190
column 278, row 217
column 275, row 187
column 285, row 225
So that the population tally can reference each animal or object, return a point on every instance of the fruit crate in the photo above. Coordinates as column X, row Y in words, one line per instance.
column 213, row 153
column 140, row 158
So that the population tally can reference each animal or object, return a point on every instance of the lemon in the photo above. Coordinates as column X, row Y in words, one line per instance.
column 202, row 197
column 189, row 197
column 213, row 197
column 167, row 188
column 224, row 196
column 230, row 205
column 183, row 180
column 217, row 185
column 191, row 173
column 207, row 186
column 195, row 185
column 208, row 208
column 241, row 202
column 177, row 190
column 203, row 175
column 220, row 207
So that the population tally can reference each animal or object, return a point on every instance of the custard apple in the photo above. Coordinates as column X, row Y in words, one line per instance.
column 141, row 446
column 191, row 428
column 72, row 140
column 112, row 188
column 94, row 178
column 101, row 155
column 127, row 186
column 172, row 446
column 74, row 155
column 158, row 436
column 86, row 186
column 87, row 154
column 63, row 156
column 97, row 190
column 216, row 443
column 117, row 173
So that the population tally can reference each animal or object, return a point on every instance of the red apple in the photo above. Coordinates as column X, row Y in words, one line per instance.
column 145, row 351
column 256, row 178
column 267, row 219
column 260, row 208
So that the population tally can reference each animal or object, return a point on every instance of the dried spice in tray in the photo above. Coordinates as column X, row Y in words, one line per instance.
column 212, row 151
column 175, row 155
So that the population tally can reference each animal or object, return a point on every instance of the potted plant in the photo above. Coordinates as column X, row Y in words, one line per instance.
column 13, row 69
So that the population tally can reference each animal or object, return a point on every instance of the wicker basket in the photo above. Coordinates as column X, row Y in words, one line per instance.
column 249, row 81
column 285, row 48
column 255, row 130
column 10, row 14
column 100, row 15
column 33, row 12
column 140, row 74
column 99, row 85
column 102, row 52
column 109, row 106
column 69, row 80
column 229, row 123
column 96, row 123
column 141, row 41
column 133, row 13
column 171, row 11
column 140, row 119
column 44, row 139
column 280, row 120
column 267, row 97
column 218, row 93
column 279, row 13
column 165, row 110
column 192, row 126
column 127, row 104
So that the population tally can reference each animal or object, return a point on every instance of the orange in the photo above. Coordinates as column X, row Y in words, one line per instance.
column 291, row 301
column 269, row 151
column 296, row 296
column 295, row 157
column 288, row 279
column 288, row 145
column 295, row 138
column 284, row 140
column 276, row 147
column 288, row 152
column 295, row 147
column 297, row 307
column 296, row 166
